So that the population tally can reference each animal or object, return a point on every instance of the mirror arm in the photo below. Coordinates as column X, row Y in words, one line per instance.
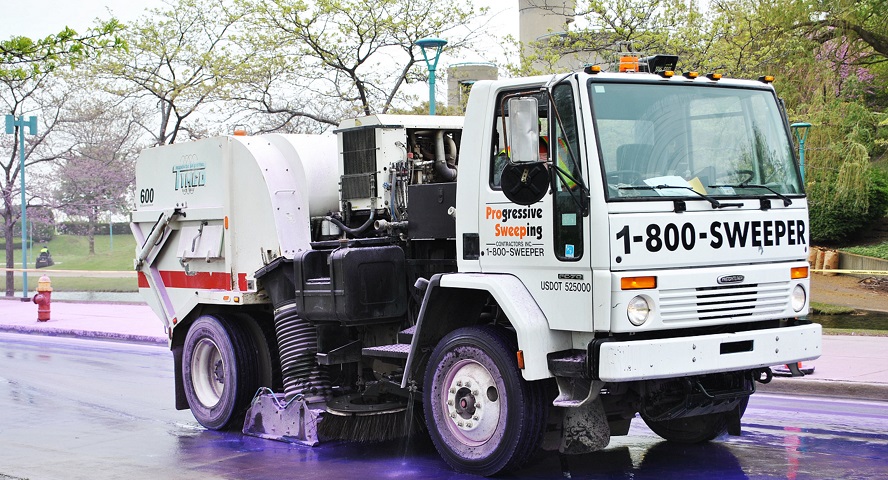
column 583, row 202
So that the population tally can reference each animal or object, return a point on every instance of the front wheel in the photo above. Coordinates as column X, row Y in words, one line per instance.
column 482, row 416
column 220, row 371
column 696, row 429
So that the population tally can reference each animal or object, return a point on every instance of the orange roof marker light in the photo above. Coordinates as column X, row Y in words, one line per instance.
column 240, row 131
column 767, row 79
column 628, row 63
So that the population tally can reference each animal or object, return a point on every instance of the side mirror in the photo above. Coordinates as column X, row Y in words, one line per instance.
column 524, row 130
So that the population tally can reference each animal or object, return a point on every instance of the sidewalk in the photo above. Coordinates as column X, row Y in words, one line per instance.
column 851, row 366
column 108, row 321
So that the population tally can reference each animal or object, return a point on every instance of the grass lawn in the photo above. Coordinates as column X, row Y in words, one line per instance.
column 827, row 309
column 855, row 331
column 78, row 284
column 70, row 252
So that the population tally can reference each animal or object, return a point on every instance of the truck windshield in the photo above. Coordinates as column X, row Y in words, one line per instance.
column 698, row 138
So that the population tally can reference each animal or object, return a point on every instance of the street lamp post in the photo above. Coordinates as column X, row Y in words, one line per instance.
column 801, row 133
column 31, row 123
column 431, row 45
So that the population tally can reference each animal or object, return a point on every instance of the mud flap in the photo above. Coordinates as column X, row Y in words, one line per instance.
column 734, row 422
column 271, row 417
column 585, row 427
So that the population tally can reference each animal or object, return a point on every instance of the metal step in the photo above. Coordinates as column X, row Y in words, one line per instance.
column 398, row 350
column 406, row 336
column 569, row 363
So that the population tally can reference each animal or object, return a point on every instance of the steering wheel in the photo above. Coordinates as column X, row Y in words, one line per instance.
column 749, row 174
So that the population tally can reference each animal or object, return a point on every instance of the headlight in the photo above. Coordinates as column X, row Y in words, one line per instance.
column 638, row 310
column 798, row 298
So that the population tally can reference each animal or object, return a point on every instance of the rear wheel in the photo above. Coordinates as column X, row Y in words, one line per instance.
column 220, row 371
column 482, row 416
column 697, row 429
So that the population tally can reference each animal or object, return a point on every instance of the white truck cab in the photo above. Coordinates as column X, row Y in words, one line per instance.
column 577, row 250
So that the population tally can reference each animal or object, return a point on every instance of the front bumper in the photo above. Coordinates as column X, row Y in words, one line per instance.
column 613, row 361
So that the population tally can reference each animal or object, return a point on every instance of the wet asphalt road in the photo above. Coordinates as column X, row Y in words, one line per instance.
column 72, row 409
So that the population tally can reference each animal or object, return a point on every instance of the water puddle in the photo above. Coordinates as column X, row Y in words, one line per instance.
column 862, row 319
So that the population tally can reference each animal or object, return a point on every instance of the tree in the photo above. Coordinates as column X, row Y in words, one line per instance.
column 27, row 71
column 605, row 28
column 98, row 173
column 862, row 22
column 344, row 57
column 181, row 59
column 22, row 58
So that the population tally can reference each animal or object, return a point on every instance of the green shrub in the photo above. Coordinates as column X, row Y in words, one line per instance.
column 846, row 192
column 837, row 220
column 876, row 251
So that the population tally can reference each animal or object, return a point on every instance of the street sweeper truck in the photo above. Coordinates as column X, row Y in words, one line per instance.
column 579, row 251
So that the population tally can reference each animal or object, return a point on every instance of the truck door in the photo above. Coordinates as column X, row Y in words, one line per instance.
column 545, row 244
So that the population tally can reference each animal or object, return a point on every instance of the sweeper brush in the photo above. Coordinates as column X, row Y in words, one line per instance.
column 356, row 418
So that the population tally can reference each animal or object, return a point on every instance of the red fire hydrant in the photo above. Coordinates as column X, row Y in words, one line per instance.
column 42, row 299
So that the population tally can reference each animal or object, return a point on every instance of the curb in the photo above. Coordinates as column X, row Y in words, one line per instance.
column 826, row 388
column 87, row 334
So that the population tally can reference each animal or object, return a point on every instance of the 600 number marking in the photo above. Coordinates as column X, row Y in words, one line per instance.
column 146, row 195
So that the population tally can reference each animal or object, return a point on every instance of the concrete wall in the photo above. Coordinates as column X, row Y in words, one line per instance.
column 461, row 76
column 539, row 18
column 549, row 21
column 850, row 261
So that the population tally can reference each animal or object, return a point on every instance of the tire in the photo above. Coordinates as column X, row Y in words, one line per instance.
column 496, row 427
column 220, row 370
column 696, row 429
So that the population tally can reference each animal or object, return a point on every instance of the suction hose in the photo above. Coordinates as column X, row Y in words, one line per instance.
column 353, row 231
column 298, row 345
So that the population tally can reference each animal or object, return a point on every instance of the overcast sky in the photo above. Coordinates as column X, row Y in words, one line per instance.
column 38, row 18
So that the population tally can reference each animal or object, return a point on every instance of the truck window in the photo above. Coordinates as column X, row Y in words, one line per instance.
column 723, row 142
column 498, row 156
column 565, row 149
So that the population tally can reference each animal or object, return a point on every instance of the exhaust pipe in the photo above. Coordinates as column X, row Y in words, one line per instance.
column 441, row 166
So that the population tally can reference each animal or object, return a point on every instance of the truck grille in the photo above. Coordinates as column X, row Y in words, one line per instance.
column 724, row 301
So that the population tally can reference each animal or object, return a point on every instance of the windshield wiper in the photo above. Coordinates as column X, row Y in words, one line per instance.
column 715, row 203
column 786, row 201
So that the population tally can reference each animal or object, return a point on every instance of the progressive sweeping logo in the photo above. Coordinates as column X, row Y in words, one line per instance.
column 190, row 174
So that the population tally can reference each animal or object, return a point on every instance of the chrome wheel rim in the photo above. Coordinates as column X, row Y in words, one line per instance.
column 208, row 373
column 471, row 402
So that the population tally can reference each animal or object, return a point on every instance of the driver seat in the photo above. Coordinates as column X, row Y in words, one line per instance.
column 635, row 157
